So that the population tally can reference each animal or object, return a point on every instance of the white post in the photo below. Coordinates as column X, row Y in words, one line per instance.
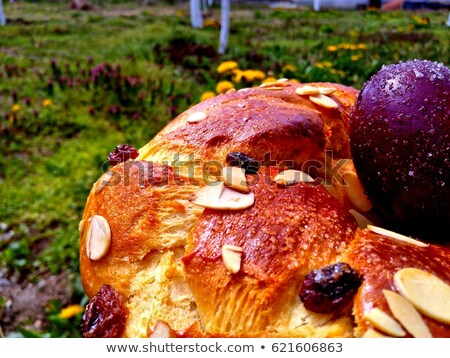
column 316, row 5
column 224, row 25
column 2, row 14
column 196, row 14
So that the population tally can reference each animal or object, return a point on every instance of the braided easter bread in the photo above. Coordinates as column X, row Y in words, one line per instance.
column 240, row 219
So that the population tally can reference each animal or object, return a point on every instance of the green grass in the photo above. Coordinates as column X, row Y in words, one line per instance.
column 51, row 154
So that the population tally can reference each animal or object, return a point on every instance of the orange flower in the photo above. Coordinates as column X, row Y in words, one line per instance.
column 15, row 107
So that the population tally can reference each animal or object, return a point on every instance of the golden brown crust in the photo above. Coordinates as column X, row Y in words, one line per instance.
column 134, row 202
column 378, row 257
column 165, row 256
column 258, row 121
column 285, row 234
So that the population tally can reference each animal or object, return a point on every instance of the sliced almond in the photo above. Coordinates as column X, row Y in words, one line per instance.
column 323, row 101
column 407, row 315
column 234, row 177
column 355, row 191
column 371, row 333
column 427, row 292
column 222, row 198
column 274, row 88
column 282, row 80
column 396, row 236
column 81, row 225
column 233, row 200
column 384, row 322
column 162, row 330
column 361, row 220
column 307, row 91
column 103, row 181
column 98, row 237
column 290, row 177
column 326, row 90
column 231, row 256
column 196, row 117
column 277, row 84
column 208, row 194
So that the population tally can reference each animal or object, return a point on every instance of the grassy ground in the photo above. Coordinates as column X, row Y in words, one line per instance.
column 74, row 84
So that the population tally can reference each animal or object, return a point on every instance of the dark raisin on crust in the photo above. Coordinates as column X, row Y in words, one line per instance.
column 330, row 289
column 238, row 159
column 122, row 153
column 105, row 315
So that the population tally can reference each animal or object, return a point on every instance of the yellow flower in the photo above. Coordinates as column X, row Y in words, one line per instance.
column 251, row 75
column 331, row 48
column 47, row 102
column 238, row 74
column 347, row 46
column 356, row 57
column 259, row 75
column 421, row 20
column 211, row 23
column 70, row 311
column 294, row 80
column 288, row 67
column 207, row 95
column 324, row 64
column 337, row 72
column 224, row 86
column 362, row 46
column 227, row 66
column 15, row 107
column 269, row 79
column 248, row 75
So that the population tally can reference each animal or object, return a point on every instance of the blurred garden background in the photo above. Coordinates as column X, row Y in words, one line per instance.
column 76, row 83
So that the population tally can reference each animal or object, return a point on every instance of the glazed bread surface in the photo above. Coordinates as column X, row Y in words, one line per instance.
column 288, row 232
column 270, row 123
column 164, row 261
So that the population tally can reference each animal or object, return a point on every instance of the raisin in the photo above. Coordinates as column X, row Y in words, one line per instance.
column 238, row 159
column 122, row 153
column 330, row 289
column 105, row 315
